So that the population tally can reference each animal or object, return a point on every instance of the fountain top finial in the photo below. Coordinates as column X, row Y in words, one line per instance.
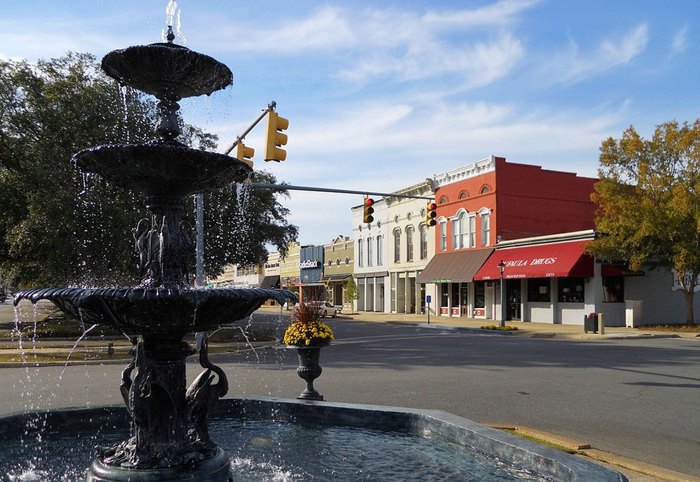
column 170, row 36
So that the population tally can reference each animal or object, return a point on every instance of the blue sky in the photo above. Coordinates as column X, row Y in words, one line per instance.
column 382, row 94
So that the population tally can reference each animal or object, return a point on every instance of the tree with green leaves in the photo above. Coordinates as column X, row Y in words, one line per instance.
column 648, row 201
column 59, row 227
column 350, row 291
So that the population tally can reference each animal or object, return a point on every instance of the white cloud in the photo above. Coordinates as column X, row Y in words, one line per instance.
column 499, row 13
column 680, row 40
column 478, row 64
column 574, row 66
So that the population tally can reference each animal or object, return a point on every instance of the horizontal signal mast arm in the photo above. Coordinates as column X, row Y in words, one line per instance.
column 290, row 187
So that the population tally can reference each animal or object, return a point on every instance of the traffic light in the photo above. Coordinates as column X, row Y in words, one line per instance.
column 275, row 139
column 368, row 210
column 431, row 214
column 244, row 153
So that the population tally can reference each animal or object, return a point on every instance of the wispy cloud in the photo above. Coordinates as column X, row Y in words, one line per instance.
column 499, row 13
column 680, row 40
column 371, row 44
column 573, row 65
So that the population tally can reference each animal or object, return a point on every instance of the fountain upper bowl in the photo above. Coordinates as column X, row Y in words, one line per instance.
column 167, row 71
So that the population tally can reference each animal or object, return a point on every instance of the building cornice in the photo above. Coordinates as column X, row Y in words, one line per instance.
column 466, row 172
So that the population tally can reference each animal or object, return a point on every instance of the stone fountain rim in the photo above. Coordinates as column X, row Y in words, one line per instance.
column 540, row 459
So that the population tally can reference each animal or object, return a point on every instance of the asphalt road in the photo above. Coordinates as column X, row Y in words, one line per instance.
column 636, row 398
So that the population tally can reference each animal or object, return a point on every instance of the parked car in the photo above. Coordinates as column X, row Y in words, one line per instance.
column 327, row 309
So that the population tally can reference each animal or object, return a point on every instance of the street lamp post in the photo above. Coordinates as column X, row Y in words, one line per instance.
column 502, row 268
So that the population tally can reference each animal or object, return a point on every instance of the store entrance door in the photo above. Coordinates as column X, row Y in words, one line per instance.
column 513, row 300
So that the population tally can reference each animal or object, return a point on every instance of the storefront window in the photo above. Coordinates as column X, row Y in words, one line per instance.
column 613, row 289
column 444, row 295
column 455, row 295
column 538, row 290
column 479, row 294
column 571, row 290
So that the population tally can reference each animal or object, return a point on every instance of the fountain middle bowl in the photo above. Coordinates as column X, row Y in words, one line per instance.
column 164, row 312
column 162, row 168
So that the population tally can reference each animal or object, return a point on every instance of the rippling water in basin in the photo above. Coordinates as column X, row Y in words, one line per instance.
column 279, row 451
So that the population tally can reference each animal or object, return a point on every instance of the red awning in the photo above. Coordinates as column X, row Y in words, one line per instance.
column 556, row 260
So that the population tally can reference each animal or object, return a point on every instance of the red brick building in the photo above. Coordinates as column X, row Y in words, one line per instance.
column 491, row 201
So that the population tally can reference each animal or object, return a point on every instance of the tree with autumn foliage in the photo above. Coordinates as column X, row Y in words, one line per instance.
column 648, row 201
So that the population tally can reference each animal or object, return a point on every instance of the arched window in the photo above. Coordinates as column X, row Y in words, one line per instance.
column 459, row 233
column 397, row 245
column 380, row 248
column 409, row 243
column 485, row 189
column 463, row 195
column 443, row 200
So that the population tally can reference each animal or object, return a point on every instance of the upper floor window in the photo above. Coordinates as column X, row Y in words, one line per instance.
column 380, row 247
column 360, row 243
column 443, row 234
column 472, row 231
column 409, row 243
column 423, row 235
column 369, row 251
column 459, row 233
column 397, row 245
column 463, row 195
column 485, row 229
column 485, row 189
column 443, row 200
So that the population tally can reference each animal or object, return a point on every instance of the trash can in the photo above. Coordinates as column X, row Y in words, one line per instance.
column 590, row 323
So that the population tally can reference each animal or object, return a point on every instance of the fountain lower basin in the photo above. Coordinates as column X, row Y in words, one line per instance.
column 294, row 440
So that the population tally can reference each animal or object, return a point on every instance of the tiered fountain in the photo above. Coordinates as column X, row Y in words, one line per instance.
column 169, row 436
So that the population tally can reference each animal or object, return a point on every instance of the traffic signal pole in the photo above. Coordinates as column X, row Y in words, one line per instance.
column 270, row 108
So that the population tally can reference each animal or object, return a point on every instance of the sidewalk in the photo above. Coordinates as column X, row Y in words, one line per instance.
column 530, row 329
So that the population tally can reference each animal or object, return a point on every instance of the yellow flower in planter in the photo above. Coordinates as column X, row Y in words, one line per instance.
column 306, row 328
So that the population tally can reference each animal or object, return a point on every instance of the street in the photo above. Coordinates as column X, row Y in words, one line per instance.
column 636, row 398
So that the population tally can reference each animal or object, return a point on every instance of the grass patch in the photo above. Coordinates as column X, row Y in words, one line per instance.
column 499, row 328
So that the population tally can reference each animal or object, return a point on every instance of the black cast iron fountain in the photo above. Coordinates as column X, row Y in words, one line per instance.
column 169, row 437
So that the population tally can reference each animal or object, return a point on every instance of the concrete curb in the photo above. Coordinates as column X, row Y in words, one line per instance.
column 584, row 449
